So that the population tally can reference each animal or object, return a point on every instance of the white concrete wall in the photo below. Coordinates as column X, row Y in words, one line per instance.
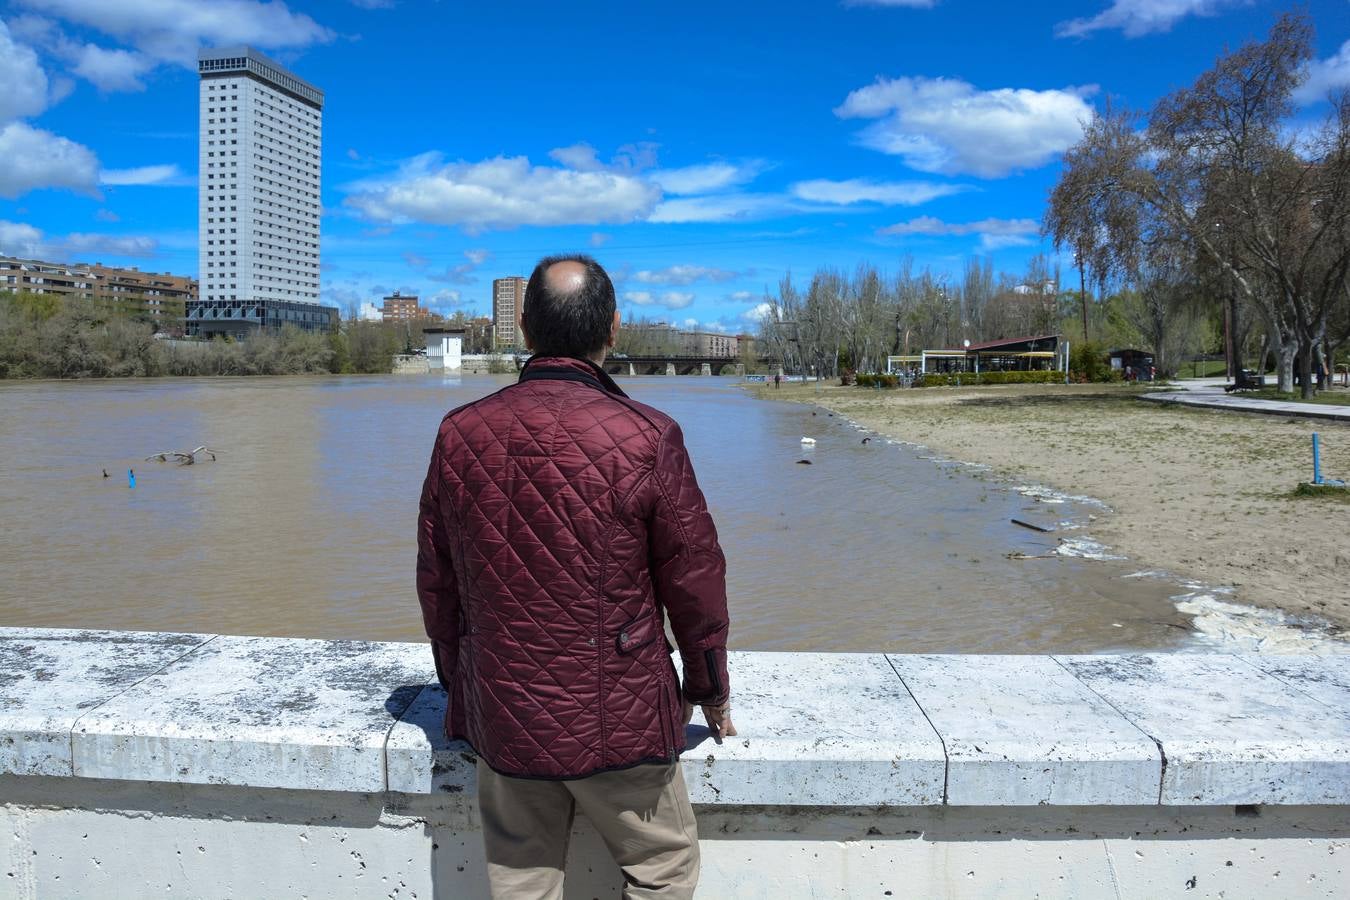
column 182, row 765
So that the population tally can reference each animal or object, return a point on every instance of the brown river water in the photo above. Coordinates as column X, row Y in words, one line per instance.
column 304, row 525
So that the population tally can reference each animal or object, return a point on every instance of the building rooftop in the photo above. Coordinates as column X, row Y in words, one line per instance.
column 227, row 60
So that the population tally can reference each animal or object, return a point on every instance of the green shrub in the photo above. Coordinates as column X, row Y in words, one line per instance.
column 875, row 380
column 1089, row 362
column 954, row 379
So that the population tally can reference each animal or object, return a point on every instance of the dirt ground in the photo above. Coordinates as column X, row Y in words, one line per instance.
column 1201, row 494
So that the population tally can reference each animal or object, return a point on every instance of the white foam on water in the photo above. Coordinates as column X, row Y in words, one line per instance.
column 1084, row 548
column 1222, row 624
column 1050, row 495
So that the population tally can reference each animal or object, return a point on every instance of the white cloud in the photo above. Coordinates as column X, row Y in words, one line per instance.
column 113, row 245
column 861, row 190
column 707, row 178
column 446, row 298
column 478, row 256
column 1325, row 75
column 578, row 156
column 758, row 313
column 373, row 4
column 1140, row 17
column 172, row 30
column 994, row 233
column 668, row 299
column 682, row 275
column 676, row 299
column 721, row 208
column 416, row 260
column 502, row 193
column 34, row 159
column 111, row 70
column 159, row 176
column 742, row 296
column 949, row 126
column 107, row 215
column 599, row 238
column 23, row 83
column 20, row 239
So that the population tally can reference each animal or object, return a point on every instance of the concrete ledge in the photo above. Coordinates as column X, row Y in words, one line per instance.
column 818, row 730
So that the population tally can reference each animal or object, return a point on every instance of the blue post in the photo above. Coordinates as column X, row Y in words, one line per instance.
column 131, row 478
column 1317, row 461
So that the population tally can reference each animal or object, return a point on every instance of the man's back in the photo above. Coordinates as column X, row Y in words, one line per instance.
column 560, row 524
column 563, row 505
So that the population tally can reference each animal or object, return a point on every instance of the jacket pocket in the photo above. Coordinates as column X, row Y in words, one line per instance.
column 636, row 634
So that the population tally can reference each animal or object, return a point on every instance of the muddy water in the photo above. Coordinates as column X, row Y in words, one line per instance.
column 304, row 524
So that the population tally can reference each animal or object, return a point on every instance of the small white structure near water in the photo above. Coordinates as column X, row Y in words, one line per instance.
column 445, row 349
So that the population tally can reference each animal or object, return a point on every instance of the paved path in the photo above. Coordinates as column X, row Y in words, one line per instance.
column 1208, row 392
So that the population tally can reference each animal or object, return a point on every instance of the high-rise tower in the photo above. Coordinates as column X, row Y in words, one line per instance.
column 508, row 299
column 259, row 171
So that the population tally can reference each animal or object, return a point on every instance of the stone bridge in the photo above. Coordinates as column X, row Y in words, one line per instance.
column 676, row 365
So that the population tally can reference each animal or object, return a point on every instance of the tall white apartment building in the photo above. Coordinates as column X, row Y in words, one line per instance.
column 260, row 169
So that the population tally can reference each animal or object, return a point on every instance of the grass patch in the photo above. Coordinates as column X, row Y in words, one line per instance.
column 1326, row 492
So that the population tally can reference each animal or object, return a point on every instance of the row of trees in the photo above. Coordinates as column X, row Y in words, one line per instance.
column 1219, row 201
column 47, row 336
column 841, row 321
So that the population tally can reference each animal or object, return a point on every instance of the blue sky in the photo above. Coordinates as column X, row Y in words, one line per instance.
column 699, row 150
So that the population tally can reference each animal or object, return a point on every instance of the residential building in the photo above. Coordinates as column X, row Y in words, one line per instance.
column 711, row 343
column 260, row 166
column 508, row 297
column 402, row 308
column 159, row 296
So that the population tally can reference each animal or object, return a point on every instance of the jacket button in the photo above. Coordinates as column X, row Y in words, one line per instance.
column 590, row 641
column 623, row 636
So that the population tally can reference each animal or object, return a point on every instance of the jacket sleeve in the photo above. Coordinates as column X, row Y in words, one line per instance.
column 689, row 571
column 437, row 589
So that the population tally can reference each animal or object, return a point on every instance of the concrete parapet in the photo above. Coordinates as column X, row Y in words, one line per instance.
column 199, row 765
column 705, row 368
column 670, row 368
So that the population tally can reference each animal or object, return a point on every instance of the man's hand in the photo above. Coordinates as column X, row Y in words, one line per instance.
column 717, row 716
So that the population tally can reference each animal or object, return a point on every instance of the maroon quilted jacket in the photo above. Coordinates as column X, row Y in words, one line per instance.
column 559, row 521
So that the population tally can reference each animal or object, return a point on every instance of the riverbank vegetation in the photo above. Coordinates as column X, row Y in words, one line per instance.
column 48, row 336
column 1199, row 494
column 1214, row 219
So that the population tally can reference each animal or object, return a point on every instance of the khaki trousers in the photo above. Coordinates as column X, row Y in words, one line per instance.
column 642, row 814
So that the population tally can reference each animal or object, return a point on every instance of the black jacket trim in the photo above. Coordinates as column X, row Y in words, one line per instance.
column 597, row 378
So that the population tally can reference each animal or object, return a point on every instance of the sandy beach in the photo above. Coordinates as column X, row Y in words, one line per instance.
column 1201, row 495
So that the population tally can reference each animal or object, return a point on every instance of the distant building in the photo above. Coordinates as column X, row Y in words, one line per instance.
column 445, row 349
column 160, row 296
column 401, row 308
column 711, row 343
column 369, row 312
column 508, row 296
column 260, row 143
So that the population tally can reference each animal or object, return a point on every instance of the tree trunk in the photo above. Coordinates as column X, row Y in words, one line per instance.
column 1288, row 349
column 1307, row 354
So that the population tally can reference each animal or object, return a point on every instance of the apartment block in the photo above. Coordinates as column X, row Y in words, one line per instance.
column 508, row 297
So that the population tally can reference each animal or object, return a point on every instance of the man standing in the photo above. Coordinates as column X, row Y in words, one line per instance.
column 560, row 524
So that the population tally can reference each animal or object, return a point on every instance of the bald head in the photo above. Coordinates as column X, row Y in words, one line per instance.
column 569, row 308
column 566, row 277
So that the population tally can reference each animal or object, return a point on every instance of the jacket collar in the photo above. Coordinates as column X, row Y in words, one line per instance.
column 569, row 368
